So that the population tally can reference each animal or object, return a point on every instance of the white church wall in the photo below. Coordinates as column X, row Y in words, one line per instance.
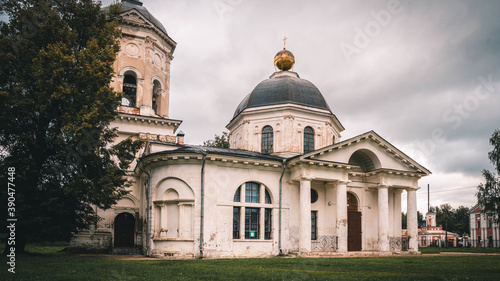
column 292, row 200
column 330, row 213
column 222, row 184
column 370, row 220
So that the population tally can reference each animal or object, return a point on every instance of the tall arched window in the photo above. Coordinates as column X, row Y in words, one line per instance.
column 308, row 139
column 252, row 202
column 156, row 96
column 267, row 139
column 129, row 90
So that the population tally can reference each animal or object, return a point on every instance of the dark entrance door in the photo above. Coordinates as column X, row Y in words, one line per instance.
column 353, row 224
column 354, row 231
column 124, row 230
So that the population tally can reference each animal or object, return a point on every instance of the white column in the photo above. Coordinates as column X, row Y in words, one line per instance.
column 342, row 216
column 383, row 218
column 412, row 220
column 305, row 216
column 494, row 234
column 483, row 232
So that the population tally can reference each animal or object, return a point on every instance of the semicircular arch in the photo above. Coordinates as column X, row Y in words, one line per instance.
column 128, row 200
column 242, row 190
column 353, row 202
column 157, row 78
column 129, row 69
column 365, row 159
column 183, row 190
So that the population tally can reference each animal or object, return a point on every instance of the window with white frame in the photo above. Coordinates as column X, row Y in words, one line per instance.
column 267, row 140
column 308, row 139
column 252, row 212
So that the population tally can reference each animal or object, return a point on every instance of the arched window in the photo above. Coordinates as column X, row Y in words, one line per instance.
column 156, row 95
column 129, row 90
column 249, row 209
column 308, row 139
column 267, row 139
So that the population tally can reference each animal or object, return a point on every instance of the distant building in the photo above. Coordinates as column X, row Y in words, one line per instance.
column 434, row 235
column 484, row 231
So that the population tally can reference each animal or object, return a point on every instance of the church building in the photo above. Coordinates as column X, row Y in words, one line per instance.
column 434, row 235
column 288, row 184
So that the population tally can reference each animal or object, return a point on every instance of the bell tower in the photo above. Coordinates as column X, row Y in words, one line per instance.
column 430, row 218
column 142, row 74
column 142, row 66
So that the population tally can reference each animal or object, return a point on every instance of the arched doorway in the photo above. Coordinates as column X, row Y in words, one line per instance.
column 124, row 230
column 353, row 224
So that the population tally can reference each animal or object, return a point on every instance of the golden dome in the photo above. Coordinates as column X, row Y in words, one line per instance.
column 284, row 60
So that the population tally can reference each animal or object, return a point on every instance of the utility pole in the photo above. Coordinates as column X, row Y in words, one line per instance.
column 428, row 198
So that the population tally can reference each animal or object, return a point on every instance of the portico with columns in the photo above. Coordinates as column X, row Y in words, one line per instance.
column 367, row 183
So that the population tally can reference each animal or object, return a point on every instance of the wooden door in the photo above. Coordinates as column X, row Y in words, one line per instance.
column 124, row 230
column 353, row 231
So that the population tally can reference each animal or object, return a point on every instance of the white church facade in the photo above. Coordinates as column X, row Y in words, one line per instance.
column 287, row 184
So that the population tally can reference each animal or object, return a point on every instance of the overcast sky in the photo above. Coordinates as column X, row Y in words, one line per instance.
column 423, row 74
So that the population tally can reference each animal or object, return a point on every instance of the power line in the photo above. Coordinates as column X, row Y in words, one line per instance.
column 439, row 191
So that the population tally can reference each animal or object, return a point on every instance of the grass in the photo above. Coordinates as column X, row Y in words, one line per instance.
column 45, row 263
column 435, row 250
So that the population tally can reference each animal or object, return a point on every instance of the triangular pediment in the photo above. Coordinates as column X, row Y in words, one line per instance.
column 475, row 209
column 367, row 152
column 135, row 18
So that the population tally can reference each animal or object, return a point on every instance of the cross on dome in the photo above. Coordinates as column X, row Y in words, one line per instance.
column 284, row 59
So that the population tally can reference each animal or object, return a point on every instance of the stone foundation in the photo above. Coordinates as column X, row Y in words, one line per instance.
column 91, row 242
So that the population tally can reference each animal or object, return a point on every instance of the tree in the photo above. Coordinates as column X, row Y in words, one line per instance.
column 453, row 220
column 56, row 64
column 404, row 219
column 219, row 141
column 461, row 219
column 444, row 216
column 488, row 194
column 420, row 219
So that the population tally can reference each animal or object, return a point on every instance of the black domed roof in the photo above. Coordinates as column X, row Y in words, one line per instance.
column 281, row 88
column 128, row 5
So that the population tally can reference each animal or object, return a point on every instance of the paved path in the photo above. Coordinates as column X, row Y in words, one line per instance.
column 348, row 255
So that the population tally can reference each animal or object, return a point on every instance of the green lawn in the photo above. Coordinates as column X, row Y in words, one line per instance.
column 44, row 263
column 435, row 250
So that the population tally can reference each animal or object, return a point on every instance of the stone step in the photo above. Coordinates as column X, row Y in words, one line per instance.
column 126, row 251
